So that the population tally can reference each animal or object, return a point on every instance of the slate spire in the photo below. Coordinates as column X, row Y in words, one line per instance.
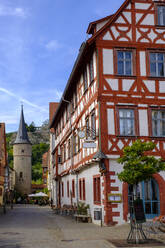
column 22, row 136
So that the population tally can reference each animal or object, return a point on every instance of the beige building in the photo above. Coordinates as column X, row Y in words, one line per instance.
column 22, row 153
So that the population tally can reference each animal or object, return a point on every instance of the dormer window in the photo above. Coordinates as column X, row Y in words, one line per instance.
column 161, row 15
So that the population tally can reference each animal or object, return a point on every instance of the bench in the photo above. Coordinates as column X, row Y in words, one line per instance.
column 83, row 218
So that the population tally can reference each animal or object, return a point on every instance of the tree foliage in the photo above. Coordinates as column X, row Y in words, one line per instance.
column 139, row 166
column 37, row 152
column 9, row 148
column 31, row 127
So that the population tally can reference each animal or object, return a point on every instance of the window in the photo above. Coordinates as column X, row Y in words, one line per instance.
column 157, row 64
column 73, row 188
column 85, row 80
column 87, row 126
column 64, row 152
column 62, row 185
column 21, row 175
column 124, row 63
column 69, row 149
column 59, row 159
column 93, row 124
column 83, row 184
column 80, row 190
column 96, row 189
column 67, row 188
column 72, row 104
column 161, row 15
column 158, row 123
column 75, row 98
column 74, row 145
column 126, row 122
column 45, row 170
column 91, row 72
column 45, row 181
column 66, row 114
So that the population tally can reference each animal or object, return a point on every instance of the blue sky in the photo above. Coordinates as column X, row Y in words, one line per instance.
column 39, row 43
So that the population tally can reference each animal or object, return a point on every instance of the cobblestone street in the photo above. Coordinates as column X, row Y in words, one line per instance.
column 28, row 226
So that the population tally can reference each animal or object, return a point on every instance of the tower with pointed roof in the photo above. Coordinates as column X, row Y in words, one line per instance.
column 22, row 153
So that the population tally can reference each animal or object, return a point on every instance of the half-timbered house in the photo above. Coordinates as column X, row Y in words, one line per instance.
column 115, row 94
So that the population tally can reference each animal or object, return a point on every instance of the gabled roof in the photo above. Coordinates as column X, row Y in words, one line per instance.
column 22, row 136
column 114, row 17
column 92, row 25
column 84, row 47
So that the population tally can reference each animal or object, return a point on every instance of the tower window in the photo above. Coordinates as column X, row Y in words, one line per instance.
column 21, row 174
column 22, row 151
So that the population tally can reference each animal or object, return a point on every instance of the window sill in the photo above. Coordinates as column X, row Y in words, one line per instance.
column 157, row 137
column 127, row 136
column 160, row 26
column 156, row 78
column 125, row 76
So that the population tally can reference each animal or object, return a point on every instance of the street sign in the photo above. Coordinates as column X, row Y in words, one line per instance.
column 89, row 145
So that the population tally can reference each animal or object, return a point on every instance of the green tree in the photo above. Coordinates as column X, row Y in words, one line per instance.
column 31, row 128
column 37, row 152
column 138, row 165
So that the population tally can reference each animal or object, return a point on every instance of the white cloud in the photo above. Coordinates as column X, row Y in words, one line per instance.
column 10, row 11
column 20, row 99
column 53, row 45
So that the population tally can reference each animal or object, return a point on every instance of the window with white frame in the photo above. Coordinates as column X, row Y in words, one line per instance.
column 157, row 64
column 158, row 123
column 161, row 15
column 126, row 122
column 124, row 63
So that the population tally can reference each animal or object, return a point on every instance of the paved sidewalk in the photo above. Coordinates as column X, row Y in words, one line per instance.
column 31, row 226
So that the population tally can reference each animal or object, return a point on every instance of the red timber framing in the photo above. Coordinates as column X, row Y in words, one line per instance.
column 124, row 78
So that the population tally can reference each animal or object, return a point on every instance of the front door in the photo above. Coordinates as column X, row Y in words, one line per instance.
column 150, row 197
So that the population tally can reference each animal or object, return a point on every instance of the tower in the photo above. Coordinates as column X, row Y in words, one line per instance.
column 22, row 153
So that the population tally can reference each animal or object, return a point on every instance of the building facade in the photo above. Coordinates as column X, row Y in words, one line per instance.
column 22, row 153
column 3, row 162
column 115, row 95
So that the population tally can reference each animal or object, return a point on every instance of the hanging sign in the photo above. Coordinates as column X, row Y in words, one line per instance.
column 89, row 145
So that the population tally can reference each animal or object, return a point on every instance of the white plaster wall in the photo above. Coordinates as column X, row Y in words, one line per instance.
column 148, row 20
column 88, row 174
column 127, row 84
column 113, row 83
column 143, row 63
column 150, row 85
column 143, row 122
column 100, row 25
column 111, row 121
column 114, row 166
column 142, row 5
column 162, row 173
column 108, row 61
column 162, row 86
